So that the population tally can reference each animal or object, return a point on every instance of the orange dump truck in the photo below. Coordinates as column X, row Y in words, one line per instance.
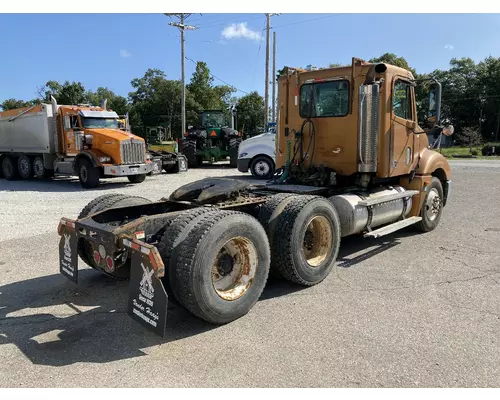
column 51, row 139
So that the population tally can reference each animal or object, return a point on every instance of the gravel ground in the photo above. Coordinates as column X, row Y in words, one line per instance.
column 404, row 310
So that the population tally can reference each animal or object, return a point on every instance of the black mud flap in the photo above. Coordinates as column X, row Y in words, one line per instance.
column 148, row 299
column 68, row 251
column 182, row 162
column 157, row 166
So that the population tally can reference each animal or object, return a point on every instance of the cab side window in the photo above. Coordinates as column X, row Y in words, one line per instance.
column 401, row 103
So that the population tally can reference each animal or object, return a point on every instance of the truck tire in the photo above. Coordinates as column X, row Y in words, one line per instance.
column 24, row 167
column 269, row 214
column 88, row 174
column 137, row 178
column 307, row 240
column 39, row 169
column 432, row 207
column 262, row 167
column 234, row 144
column 174, row 234
column 101, row 203
column 189, row 150
column 223, row 266
column 9, row 169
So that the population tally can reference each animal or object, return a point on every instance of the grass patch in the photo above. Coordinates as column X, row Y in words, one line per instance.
column 475, row 151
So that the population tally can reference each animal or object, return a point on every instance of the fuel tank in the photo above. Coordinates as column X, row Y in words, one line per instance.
column 354, row 218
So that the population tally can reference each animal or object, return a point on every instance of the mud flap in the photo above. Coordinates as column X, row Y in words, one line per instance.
column 148, row 299
column 68, row 253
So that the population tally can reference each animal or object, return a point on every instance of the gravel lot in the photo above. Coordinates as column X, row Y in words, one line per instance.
column 405, row 310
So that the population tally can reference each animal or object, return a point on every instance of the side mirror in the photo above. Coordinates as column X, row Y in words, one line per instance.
column 434, row 111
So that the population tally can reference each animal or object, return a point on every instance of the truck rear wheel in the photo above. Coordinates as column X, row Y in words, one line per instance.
column 88, row 174
column 269, row 214
column 234, row 144
column 39, row 169
column 24, row 167
column 101, row 203
column 9, row 169
column 174, row 234
column 223, row 266
column 307, row 240
column 137, row 178
column 432, row 207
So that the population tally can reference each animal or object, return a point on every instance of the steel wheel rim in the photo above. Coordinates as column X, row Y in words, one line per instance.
column 38, row 167
column 317, row 241
column 262, row 168
column 432, row 205
column 234, row 268
column 24, row 166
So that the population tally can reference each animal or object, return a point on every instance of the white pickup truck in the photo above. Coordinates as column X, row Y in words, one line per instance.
column 258, row 154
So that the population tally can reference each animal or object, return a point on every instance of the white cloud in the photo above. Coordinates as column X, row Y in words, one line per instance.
column 449, row 47
column 125, row 54
column 236, row 31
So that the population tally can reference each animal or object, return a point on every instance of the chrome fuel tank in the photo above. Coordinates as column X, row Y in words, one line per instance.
column 353, row 217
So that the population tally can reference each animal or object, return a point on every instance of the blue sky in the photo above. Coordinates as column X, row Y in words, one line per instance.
column 111, row 49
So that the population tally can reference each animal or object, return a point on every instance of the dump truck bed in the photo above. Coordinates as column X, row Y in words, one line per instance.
column 27, row 130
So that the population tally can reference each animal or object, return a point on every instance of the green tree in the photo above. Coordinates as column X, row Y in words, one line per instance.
column 393, row 59
column 155, row 101
column 117, row 103
column 68, row 93
column 251, row 114
column 11, row 104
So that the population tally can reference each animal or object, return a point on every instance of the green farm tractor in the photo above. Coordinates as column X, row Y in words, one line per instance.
column 213, row 141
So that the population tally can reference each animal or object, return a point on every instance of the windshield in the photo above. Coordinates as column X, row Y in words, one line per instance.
column 213, row 119
column 111, row 123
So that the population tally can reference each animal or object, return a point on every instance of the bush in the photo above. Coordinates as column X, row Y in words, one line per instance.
column 468, row 136
column 474, row 152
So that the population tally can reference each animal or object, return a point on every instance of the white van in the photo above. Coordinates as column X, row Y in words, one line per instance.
column 258, row 154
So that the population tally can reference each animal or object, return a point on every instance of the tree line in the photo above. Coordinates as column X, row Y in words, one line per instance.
column 155, row 101
column 471, row 101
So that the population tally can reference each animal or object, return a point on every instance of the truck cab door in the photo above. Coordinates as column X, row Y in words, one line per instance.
column 403, row 123
column 69, row 122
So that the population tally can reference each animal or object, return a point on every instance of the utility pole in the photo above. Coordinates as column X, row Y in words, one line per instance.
column 182, row 27
column 274, row 76
column 266, row 89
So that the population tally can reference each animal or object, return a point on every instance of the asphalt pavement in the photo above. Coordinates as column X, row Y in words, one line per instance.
column 405, row 310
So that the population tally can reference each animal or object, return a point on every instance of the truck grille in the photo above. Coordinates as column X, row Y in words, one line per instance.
column 133, row 152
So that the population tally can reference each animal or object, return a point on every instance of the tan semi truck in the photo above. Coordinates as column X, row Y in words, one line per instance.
column 351, row 159
column 51, row 139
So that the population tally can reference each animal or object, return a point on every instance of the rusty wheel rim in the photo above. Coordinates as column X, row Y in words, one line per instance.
column 432, row 205
column 234, row 268
column 317, row 241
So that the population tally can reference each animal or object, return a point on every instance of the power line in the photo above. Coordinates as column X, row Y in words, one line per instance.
column 232, row 86
column 304, row 21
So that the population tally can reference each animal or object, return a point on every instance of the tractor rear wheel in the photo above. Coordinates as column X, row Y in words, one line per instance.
column 223, row 266
column 234, row 144
column 307, row 240
column 189, row 150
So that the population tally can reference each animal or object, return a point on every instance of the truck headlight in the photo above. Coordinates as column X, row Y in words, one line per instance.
column 243, row 155
column 104, row 159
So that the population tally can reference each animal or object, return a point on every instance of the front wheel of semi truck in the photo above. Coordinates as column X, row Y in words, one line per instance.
column 222, row 267
column 88, row 174
column 137, row 178
column 432, row 207
column 101, row 203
